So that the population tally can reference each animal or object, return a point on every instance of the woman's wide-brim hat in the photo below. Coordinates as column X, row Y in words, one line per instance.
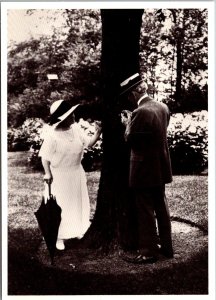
column 60, row 110
column 130, row 83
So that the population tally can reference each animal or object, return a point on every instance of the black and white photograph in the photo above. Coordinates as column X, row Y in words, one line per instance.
column 108, row 149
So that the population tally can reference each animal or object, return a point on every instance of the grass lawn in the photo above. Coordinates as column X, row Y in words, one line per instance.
column 187, row 197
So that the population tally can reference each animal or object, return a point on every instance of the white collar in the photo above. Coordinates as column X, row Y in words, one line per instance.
column 144, row 96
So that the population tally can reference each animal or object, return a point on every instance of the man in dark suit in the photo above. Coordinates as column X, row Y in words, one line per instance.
column 150, row 170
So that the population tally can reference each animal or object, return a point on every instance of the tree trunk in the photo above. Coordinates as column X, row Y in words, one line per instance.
column 178, row 71
column 120, row 59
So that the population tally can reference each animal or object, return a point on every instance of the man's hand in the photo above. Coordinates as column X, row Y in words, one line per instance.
column 125, row 117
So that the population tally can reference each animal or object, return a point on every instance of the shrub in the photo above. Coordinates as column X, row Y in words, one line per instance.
column 26, row 136
column 187, row 138
column 194, row 98
column 92, row 156
column 17, row 140
column 188, row 142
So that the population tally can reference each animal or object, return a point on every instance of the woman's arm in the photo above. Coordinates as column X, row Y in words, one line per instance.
column 48, row 178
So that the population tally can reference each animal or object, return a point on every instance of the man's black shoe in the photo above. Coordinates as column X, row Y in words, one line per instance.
column 140, row 259
column 166, row 253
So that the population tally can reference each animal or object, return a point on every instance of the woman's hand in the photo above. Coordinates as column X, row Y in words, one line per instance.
column 48, row 178
column 97, row 133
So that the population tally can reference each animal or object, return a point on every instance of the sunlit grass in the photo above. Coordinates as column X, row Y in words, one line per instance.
column 187, row 195
column 188, row 198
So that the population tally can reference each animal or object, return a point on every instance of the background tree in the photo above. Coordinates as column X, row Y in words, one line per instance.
column 150, row 50
column 187, row 39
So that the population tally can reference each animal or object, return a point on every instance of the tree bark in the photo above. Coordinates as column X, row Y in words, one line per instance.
column 178, row 70
column 120, row 59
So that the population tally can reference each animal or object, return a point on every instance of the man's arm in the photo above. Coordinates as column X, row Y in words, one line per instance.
column 139, row 130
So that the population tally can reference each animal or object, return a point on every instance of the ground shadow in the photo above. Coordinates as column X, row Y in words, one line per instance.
column 78, row 273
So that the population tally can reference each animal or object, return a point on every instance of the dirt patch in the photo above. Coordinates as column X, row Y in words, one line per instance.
column 80, row 271
column 188, row 242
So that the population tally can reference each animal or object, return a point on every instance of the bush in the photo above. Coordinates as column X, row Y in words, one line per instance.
column 92, row 157
column 187, row 138
column 17, row 140
column 188, row 142
column 34, row 161
column 194, row 98
column 26, row 136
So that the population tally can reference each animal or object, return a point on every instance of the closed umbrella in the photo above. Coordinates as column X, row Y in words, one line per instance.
column 49, row 217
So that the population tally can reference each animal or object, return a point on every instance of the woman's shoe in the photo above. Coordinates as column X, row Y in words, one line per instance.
column 60, row 244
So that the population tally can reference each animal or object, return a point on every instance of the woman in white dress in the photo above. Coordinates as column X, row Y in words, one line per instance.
column 61, row 154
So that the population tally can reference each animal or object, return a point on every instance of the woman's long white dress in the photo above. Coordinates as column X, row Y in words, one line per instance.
column 64, row 150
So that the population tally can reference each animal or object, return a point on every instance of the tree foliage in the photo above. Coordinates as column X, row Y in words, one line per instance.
column 187, row 39
column 73, row 53
column 173, row 58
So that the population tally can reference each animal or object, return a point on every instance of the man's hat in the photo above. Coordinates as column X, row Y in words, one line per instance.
column 130, row 83
column 60, row 110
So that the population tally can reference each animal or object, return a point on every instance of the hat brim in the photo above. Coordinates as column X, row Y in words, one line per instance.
column 127, row 89
column 68, row 113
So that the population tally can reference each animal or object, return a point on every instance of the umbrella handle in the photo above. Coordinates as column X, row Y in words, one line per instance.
column 49, row 187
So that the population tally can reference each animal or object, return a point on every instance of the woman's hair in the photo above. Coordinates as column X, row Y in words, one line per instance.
column 65, row 123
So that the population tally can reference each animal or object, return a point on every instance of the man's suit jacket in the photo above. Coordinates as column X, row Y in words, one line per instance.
column 147, row 136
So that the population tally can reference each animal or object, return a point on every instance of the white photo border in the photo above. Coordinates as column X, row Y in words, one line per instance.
column 210, row 5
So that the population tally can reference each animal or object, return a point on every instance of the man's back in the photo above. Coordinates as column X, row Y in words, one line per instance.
column 146, row 134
